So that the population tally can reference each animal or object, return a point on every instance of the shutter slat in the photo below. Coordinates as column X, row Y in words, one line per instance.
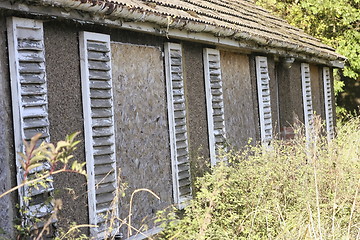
column 99, row 75
column 105, row 178
column 99, row 127
column 97, row 46
column 31, row 56
column 99, row 56
column 214, row 102
column 105, row 188
column 31, row 78
column 263, row 89
column 307, row 99
column 40, row 210
column 177, row 122
column 30, row 107
column 103, row 159
column 103, row 85
column 28, row 44
column 99, row 65
column 40, row 189
column 104, row 197
column 102, row 121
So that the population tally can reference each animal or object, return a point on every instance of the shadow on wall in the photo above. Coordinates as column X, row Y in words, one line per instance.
column 350, row 98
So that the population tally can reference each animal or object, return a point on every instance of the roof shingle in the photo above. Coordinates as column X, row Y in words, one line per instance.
column 235, row 19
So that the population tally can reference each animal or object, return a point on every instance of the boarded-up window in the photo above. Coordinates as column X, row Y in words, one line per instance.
column 307, row 101
column 99, row 130
column 214, row 102
column 30, row 104
column 263, row 87
column 177, row 123
column 328, row 103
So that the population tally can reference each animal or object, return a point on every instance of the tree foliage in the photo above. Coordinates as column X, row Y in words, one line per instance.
column 334, row 22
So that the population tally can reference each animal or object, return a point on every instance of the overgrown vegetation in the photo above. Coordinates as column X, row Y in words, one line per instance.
column 291, row 190
column 53, row 159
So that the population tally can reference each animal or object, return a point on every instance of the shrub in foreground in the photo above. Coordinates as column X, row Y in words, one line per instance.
column 291, row 190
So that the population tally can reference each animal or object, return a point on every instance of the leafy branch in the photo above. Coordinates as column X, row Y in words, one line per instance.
column 47, row 157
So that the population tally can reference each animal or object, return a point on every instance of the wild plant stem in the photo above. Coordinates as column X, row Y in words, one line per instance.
column 311, row 221
column 334, row 212
column 317, row 201
column 76, row 227
column 31, row 182
column 131, row 201
column 353, row 209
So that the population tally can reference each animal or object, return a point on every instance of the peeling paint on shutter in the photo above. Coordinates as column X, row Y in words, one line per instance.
column 307, row 101
column 30, row 106
column 99, row 130
column 263, row 86
column 328, row 104
column 177, row 124
column 214, row 102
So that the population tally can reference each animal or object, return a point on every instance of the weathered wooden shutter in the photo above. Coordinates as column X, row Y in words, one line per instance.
column 177, row 124
column 328, row 103
column 99, row 130
column 214, row 102
column 30, row 104
column 263, row 85
column 307, row 101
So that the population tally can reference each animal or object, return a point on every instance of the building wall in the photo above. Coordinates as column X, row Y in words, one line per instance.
column 7, row 155
column 238, row 106
column 142, row 138
column 65, row 113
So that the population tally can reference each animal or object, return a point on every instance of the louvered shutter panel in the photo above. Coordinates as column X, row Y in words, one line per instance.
column 307, row 101
column 263, row 85
column 99, row 130
column 214, row 102
column 328, row 103
column 177, row 124
column 30, row 106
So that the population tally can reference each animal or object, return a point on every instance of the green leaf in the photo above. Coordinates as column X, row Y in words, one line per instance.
column 34, row 166
column 61, row 144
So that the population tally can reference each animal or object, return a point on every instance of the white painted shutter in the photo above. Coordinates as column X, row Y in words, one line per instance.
column 177, row 124
column 99, row 130
column 30, row 106
column 328, row 103
column 307, row 101
column 263, row 85
column 214, row 102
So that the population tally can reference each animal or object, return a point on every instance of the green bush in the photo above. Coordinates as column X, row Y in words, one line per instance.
column 291, row 190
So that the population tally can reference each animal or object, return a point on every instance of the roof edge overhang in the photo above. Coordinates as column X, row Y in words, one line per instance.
column 123, row 17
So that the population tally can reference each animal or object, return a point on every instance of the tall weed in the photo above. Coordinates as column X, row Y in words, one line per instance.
column 296, row 189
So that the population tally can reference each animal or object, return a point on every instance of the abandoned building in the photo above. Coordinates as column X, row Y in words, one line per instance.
column 152, row 85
